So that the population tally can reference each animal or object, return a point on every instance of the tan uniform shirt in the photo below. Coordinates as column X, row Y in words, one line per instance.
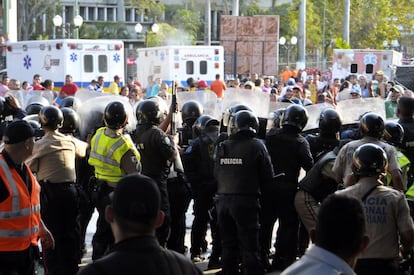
column 343, row 162
column 53, row 157
column 387, row 215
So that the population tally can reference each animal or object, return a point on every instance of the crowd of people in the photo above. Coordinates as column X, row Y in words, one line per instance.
column 351, row 209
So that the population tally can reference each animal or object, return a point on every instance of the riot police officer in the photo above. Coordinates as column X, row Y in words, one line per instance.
column 9, row 106
column 35, row 103
column 158, row 152
column 318, row 183
column 275, row 118
column 328, row 137
column 405, row 111
column 199, row 170
column 70, row 121
column 389, row 224
column 53, row 162
column 190, row 112
column 113, row 155
column 179, row 190
column 228, row 117
column 243, row 167
column 278, row 200
column 70, row 102
column 83, row 173
column 372, row 128
column 393, row 135
column 320, row 144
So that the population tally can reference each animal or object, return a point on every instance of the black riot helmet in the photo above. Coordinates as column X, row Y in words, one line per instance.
column 329, row 121
column 229, row 114
column 33, row 108
column 37, row 127
column 35, row 124
column 244, row 121
column 372, row 125
column 115, row 116
column 369, row 160
column 70, row 120
column 295, row 116
column 393, row 133
column 5, row 108
column 69, row 101
column 148, row 113
column 190, row 111
column 203, row 124
column 51, row 117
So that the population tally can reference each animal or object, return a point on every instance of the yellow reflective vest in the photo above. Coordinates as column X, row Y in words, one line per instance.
column 106, row 154
column 404, row 163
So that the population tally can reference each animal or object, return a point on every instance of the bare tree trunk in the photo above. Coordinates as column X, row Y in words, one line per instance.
column 226, row 7
column 27, row 11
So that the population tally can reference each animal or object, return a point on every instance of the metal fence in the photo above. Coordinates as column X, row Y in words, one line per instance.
column 312, row 61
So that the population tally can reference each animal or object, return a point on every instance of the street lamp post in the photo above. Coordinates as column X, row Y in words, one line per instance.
column 287, row 45
column 77, row 23
column 154, row 29
column 57, row 22
column 395, row 45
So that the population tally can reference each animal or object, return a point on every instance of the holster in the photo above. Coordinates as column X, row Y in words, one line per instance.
column 95, row 186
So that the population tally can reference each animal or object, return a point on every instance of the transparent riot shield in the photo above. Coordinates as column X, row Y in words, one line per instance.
column 91, row 113
column 352, row 109
column 207, row 99
column 314, row 112
column 256, row 100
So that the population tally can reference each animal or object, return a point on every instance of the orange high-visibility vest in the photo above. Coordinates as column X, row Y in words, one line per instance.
column 20, row 212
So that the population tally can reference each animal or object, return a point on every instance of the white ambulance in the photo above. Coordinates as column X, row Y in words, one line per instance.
column 84, row 59
column 178, row 63
column 364, row 61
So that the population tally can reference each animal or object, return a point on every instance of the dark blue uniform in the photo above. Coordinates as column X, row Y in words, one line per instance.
column 320, row 145
column 289, row 152
column 243, row 167
column 157, row 153
column 199, row 170
column 408, row 144
column 179, row 196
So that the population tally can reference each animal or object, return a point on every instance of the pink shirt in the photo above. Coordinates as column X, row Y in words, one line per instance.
column 3, row 90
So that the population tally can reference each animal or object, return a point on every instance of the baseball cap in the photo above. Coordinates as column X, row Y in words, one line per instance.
column 298, row 87
column 291, row 82
column 249, row 83
column 355, row 90
column 398, row 89
column 18, row 131
column 136, row 199
column 380, row 73
column 202, row 83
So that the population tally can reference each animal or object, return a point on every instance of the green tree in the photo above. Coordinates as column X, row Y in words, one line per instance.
column 89, row 31
column 188, row 23
column 30, row 17
column 371, row 22
column 150, row 9
column 110, row 30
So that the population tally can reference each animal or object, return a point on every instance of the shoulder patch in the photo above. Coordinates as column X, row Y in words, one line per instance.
column 189, row 149
column 166, row 140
